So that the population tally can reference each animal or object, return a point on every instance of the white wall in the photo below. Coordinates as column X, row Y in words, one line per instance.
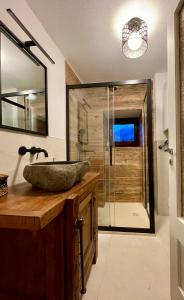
column 161, row 105
column 10, row 162
column 162, row 158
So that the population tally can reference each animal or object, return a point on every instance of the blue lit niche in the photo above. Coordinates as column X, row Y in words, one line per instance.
column 123, row 132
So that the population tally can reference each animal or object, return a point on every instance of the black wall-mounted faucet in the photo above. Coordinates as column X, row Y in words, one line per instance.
column 33, row 150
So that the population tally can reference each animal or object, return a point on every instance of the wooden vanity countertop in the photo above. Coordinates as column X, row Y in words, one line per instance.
column 30, row 208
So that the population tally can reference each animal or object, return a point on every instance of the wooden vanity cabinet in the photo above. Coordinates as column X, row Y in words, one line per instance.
column 40, row 257
column 32, row 263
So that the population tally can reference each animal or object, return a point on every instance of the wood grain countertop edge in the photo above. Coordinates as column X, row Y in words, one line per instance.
column 37, row 219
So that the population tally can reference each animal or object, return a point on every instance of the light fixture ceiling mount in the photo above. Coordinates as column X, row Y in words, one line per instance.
column 135, row 38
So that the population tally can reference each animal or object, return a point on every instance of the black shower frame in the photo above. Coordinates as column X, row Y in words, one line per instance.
column 148, row 83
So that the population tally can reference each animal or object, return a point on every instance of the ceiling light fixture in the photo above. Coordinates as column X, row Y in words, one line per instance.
column 135, row 38
column 31, row 97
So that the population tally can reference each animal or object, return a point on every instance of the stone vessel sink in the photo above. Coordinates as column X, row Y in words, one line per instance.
column 55, row 176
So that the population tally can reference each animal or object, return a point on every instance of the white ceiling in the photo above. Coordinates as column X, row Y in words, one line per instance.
column 88, row 33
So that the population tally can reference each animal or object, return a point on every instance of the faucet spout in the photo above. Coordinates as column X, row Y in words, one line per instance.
column 45, row 152
column 35, row 150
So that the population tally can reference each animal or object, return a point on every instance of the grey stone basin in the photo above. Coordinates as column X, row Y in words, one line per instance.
column 55, row 176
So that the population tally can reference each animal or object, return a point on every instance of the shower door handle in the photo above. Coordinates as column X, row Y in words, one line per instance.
column 110, row 151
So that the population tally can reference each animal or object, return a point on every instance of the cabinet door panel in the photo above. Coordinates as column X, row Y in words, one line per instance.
column 87, row 228
column 87, row 214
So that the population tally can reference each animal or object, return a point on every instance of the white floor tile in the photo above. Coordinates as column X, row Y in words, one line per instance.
column 131, row 267
column 123, row 214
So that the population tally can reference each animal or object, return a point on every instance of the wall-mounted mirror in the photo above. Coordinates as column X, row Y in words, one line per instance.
column 23, row 99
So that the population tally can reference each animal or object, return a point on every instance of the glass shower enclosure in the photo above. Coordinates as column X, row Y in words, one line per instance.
column 110, row 125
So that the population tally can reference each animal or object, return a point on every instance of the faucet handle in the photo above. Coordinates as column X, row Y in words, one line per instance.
column 33, row 150
column 22, row 150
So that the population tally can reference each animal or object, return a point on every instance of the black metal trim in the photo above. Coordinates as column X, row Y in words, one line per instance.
column 17, row 20
column 150, row 155
column 107, row 84
column 125, row 229
column 147, row 82
column 46, row 104
column 67, row 126
column 13, row 103
column 0, row 86
column 144, row 155
column 23, row 130
column 22, row 93
column 25, row 50
column 29, row 44
column 80, row 225
column 110, row 155
column 9, row 34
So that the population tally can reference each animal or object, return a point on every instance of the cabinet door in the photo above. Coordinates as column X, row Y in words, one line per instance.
column 86, row 212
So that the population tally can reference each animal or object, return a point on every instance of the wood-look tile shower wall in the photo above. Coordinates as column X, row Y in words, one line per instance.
column 126, row 172
column 123, row 181
column 71, row 78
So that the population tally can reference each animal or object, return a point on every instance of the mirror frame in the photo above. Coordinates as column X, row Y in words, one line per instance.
column 26, row 50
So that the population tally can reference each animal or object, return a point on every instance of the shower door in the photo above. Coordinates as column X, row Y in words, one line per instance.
column 108, row 211
column 89, row 138
column 96, row 115
column 145, row 158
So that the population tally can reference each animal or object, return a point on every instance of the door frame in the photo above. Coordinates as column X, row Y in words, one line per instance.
column 175, row 200
column 148, row 83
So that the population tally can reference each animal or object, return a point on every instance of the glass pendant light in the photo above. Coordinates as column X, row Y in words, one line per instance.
column 135, row 38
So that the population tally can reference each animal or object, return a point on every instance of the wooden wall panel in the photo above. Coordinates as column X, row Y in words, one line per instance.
column 70, row 76
column 126, row 175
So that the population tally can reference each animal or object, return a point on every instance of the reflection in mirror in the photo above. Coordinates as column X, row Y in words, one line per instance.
column 23, row 88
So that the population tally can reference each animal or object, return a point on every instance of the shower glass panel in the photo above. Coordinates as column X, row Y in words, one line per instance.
column 128, row 175
column 145, row 159
column 109, row 161
column 109, row 125
column 89, row 138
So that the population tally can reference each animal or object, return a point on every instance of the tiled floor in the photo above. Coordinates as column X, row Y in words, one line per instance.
column 131, row 267
column 123, row 215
